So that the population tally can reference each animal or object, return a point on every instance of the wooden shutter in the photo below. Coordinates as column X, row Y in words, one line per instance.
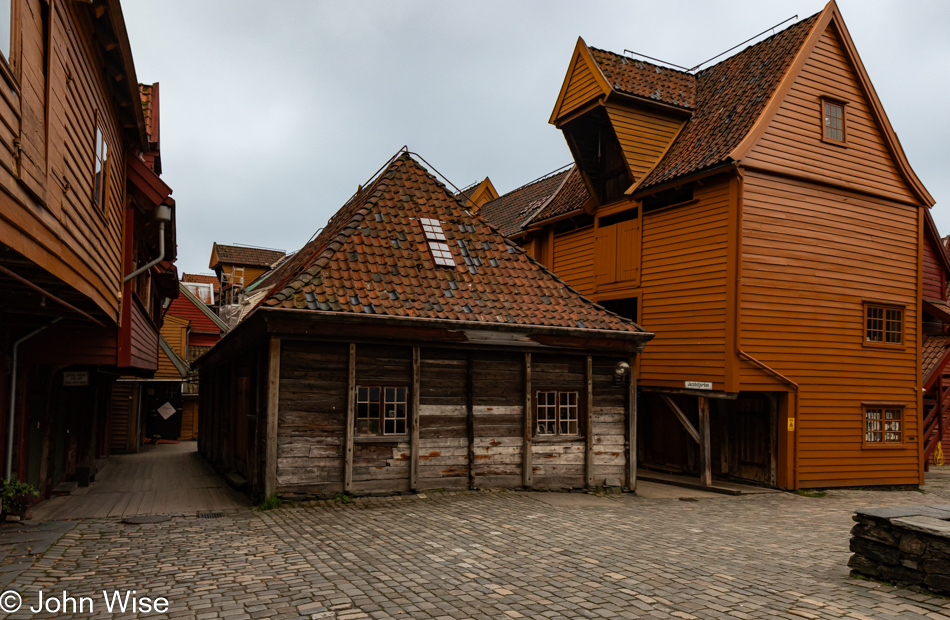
column 628, row 250
column 605, row 255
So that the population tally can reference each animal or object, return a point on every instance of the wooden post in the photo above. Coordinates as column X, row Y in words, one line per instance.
column 526, row 472
column 589, row 430
column 470, row 419
column 350, row 422
column 414, row 438
column 273, row 402
column 705, row 453
column 632, row 427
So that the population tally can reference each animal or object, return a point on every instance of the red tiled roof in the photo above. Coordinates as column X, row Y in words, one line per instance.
column 372, row 257
column 643, row 79
column 571, row 197
column 241, row 255
column 145, row 90
column 727, row 98
column 509, row 213
column 933, row 352
column 202, row 278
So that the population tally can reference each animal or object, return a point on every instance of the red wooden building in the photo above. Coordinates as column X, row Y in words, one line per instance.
column 761, row 218
column 87, row 232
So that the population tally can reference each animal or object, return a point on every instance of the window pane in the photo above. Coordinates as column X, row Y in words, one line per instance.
column 5, row 11
column 875, row 324
column 892, row 326
column 873, row 427
column 568, row 413
column 374, row 394
column 547, row 413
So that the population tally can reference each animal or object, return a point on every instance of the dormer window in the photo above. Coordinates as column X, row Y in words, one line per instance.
column 832, row 121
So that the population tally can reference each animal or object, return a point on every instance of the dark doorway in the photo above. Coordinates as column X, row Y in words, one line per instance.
column 744, row 442
column 157, row 396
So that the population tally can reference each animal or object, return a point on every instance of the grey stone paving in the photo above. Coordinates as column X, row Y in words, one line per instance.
column 495, row 555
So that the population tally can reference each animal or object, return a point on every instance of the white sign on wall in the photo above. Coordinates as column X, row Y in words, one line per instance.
column 698, row 385
column 166, row 411
column 75, row 378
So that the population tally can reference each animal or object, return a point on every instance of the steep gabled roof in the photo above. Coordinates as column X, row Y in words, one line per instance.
column 510, row 212
column 243, row 255
column 569, row 198
column 372, row 258
column 725, row 99
column 200, row 278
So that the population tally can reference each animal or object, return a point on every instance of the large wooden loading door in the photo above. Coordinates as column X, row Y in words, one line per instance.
column 742, row 435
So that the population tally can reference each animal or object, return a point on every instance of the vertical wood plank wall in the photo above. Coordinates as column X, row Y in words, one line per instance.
column 312, row 417
column 810, row 257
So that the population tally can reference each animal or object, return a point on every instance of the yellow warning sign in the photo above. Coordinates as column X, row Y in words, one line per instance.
column 938, row 454
column 791, row 424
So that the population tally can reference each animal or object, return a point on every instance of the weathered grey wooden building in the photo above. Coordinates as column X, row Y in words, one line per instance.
column 409, row 346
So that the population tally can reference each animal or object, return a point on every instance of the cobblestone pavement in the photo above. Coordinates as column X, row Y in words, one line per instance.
column 493, row 555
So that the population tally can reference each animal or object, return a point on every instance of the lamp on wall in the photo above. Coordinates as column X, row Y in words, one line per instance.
column 621, row 371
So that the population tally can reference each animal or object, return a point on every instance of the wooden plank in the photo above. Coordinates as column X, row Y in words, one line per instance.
column 470, row 418
column 705, row 451
column 526, row 468
column 632, row 427
column 414, row 423
column 273, row 400
column 589, row 431
column 350, row 422
column 681, row 417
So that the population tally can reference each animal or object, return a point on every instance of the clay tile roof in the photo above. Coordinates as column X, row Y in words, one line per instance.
column 202, row 278
column 725, row 99
column 934, row 350
column 571, row 197
column 510, row 212
column 240, row 255
column 643, row 79
column 145, row 90
column 372, row 257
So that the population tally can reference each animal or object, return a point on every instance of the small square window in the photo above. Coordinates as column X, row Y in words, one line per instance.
column 381, row 410
column 883, row 325
column 832, row 121
column 557, row 413
column 883, row 426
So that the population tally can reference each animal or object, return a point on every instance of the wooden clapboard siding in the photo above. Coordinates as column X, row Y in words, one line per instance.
column 175, row 333
column 935, row 280
column 574, row 259
column 644, row 136
column 144, row 339
column 580, row 85
column 55, row 227
column 793, row 141
column 683, row 279
column 811, row 256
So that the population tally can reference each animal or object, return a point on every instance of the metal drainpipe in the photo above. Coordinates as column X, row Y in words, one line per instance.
column 161, row 254
column 11, row 419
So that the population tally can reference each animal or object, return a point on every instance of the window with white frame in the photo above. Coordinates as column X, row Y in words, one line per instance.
column 435, row 237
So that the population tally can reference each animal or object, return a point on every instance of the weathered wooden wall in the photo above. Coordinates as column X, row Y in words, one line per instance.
column 471, row 421
column 811, row 256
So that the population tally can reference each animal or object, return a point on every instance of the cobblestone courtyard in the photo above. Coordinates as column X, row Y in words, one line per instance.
column 494, row 555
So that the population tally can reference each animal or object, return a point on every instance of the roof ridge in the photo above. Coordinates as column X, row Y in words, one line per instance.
column 645, row 62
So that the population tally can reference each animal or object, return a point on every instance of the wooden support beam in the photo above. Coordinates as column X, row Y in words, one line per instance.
column 273, row 403
column 681, row 416
column 350, row 422
column 589, row 430
column 470, row 418
column 632, row 427
column 705, row 452
column 527, row 475
column 414, row 438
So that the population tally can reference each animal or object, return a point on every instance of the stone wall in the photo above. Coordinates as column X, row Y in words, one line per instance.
column 905, row 545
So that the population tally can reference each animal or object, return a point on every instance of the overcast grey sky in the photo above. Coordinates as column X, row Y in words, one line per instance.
column 273, row 112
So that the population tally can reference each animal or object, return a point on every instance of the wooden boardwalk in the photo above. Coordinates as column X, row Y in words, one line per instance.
column 163, row 479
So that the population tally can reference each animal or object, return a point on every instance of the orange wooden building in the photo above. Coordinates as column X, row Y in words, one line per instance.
column 87, row 232
column 761, row 218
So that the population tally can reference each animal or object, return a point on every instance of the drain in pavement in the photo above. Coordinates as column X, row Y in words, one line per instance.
column 210, row 515
column 140, row 519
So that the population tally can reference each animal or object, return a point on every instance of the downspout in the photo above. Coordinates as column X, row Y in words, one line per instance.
column 738, row 329
column 11, row 416
column 163, row 213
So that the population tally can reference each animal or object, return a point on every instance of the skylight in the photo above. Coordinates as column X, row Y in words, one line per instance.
column 436, row 239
